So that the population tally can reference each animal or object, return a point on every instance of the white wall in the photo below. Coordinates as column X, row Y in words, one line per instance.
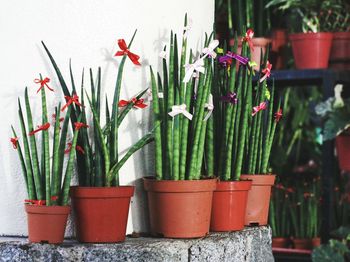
column 86, row 31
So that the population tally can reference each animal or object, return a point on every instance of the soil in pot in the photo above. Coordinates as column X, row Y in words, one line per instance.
column 280, row 242
column 311, row 50
column 302, row 243
column 46, row 224
column 180, row 209
column 101, row 213
column 340, row 51
column 258, row 199
column 229, row 205
column 342, row 143
column 260, row 44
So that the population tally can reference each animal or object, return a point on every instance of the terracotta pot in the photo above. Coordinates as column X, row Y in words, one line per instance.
column 280, row 242
column 229, row 205
column 302, row 243
column 180, row 209
column 278, row 48
column 342, row 143
column 311, row 50
column 260, row 44
column 46, row 224
column 258, row 199
column 101, row 213
column 316, row 242
column 340, row 51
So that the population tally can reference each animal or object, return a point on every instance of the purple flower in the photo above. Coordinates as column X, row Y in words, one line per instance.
column 230, row 98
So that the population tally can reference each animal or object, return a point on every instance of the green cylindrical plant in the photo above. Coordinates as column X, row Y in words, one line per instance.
column 47, row 180
column 99, row 200
column 181, row 116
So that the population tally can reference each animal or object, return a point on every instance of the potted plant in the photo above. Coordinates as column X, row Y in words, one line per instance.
column 47, row 180
column 335, row 112
column 279, row 215
column 100, row 204
column 304, row 210
column 336, row 18
column 312, row 47
column 225, row 143
column 334, row 250
column 179, row 197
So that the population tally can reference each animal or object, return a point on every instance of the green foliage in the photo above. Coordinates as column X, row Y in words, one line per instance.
column 334, row 251
column 45, row 183
column 100, row 164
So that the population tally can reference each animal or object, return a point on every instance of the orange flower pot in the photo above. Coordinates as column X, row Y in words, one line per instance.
column 280, row 242
column 258, row 199
column 229, row 205
column 302, row 243
column 101, row 213
column 342, row 143
column 311, row 50
column 278, row 48
column 180, row 209
column 46, row 224
column 340, row 51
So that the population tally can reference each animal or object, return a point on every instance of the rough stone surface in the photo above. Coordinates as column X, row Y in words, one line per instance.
column 251, row 244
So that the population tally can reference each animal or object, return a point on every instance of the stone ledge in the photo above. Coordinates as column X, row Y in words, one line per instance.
column 251, row 244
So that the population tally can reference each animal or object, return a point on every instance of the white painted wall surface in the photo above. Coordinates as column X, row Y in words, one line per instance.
column 85, row 31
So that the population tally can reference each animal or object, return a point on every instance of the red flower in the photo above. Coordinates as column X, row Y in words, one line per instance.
column 14, row 141
column 79, row 125
column 278, row 115
column 43, row 83
column 70, row 100
column 125, row 51
column 40, row 128
column 137, row 103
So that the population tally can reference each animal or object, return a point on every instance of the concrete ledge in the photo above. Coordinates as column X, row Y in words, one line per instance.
column 252, row 244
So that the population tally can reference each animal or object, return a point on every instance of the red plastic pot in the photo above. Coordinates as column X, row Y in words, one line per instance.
column 180, row 209
column 342, row 143
column 260, row 44
column 316, row 242
column 280, row 242
column 302, row 243
column 311, row 50
column 278, row 48
column 229, row 205
column 101, row 213
column 258, row 199
column 340, row 51
column 46, row 224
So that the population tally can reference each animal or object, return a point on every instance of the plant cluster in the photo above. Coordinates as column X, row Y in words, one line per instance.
column 47, row 180
column 100, row 162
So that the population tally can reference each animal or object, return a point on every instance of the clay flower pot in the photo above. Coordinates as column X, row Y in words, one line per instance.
column 302, row 243
column 101, row 213
column 278, row 48
column 258, row 199
column 316, row 242
column 260, row 44
column 340, row 51
column 280, row 242
column 229, row 205
column 180, row 209
column 46, row 224
column 311, row 50
column 342, row 143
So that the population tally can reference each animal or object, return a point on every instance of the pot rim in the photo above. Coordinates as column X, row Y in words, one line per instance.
column 310, row 36
column 52, row 210
column 261, row 179
column 241, row 185
column 102, row 192
column 179, row 186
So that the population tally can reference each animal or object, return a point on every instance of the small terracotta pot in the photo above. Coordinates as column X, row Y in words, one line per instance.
column 280, row 242
column 260, row 44
column 101, row 213
column 258, row 199
column 316, row 242
column 302, row 243
column 311, row 50
column 180, row 209
column 340, row 52
column 46, row 224
column 229, row 205
column 342, row 143
column 278, row 48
